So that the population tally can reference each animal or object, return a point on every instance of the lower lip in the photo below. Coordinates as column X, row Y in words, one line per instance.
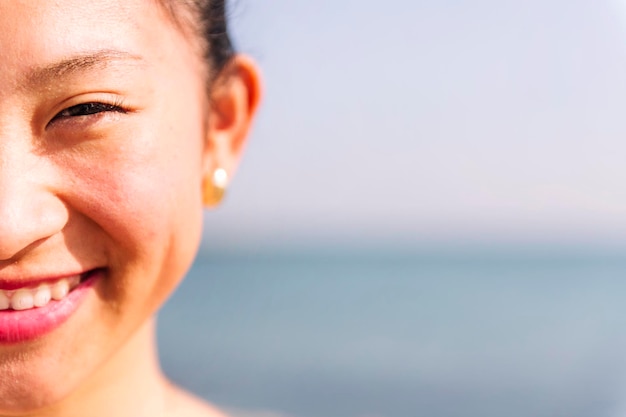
column 27, row 325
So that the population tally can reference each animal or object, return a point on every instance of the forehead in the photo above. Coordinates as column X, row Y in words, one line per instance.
column 37, row 33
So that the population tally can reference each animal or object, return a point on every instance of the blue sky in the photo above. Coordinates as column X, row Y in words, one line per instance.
column 432, row 121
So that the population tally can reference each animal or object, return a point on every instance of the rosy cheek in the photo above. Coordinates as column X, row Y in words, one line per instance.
column 131, row 188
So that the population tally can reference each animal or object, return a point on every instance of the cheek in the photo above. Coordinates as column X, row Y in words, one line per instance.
column 139, row 192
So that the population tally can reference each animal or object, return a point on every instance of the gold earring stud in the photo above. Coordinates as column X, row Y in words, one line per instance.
column 215, row 187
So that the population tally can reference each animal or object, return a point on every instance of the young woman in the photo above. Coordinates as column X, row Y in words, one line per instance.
column 119, row 121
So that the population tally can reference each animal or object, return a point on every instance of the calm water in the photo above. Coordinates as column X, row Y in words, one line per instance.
column 371, row 334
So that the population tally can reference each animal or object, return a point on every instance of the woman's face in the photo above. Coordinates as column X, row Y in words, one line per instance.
column 102, row 154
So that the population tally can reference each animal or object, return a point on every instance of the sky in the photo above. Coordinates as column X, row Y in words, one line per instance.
column 432, row 121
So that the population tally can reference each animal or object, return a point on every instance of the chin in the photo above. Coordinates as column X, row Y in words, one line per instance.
column 31, row 384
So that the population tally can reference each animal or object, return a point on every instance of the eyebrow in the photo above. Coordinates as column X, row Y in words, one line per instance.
column 80, row 63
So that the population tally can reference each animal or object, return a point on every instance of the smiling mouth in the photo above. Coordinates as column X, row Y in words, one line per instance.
column 40, row 295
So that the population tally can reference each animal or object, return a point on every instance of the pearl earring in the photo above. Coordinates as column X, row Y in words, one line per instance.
column 215, row 187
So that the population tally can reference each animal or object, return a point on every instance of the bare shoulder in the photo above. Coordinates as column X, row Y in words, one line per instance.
column 184, row 404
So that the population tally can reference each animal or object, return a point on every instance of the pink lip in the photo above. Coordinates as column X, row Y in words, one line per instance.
column 9, row 285
column 26, row 325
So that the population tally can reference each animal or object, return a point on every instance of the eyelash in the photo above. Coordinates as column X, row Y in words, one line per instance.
column 90, row 109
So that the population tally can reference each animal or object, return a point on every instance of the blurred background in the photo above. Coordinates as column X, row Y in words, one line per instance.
column 429, row 220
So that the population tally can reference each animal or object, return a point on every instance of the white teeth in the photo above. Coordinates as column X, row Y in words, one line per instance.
column 42, row 296
column 60, row 289
column 26, row 298
column 22, row 300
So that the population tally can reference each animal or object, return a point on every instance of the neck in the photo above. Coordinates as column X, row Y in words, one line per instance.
column 130, row 384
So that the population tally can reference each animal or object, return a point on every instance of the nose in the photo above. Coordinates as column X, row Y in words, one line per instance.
column 30, row 210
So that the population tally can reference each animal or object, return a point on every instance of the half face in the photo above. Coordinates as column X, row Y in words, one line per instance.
column 102, row 151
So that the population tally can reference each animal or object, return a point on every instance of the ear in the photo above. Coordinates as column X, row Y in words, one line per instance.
column 234, row 102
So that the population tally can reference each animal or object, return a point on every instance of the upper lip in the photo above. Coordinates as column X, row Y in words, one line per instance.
column 15, row 283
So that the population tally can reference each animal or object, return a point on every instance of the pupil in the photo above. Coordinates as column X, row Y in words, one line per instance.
column 88, row 108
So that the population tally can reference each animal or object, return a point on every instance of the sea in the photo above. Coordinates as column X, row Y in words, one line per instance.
column 402, row 332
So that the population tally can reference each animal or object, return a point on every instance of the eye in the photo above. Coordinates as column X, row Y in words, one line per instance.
column 87, row 109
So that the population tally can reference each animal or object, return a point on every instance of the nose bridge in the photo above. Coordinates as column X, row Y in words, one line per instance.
column 29, row 209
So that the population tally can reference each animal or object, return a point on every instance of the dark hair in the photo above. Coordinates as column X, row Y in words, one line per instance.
column 220, row 49
column 206, row 20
